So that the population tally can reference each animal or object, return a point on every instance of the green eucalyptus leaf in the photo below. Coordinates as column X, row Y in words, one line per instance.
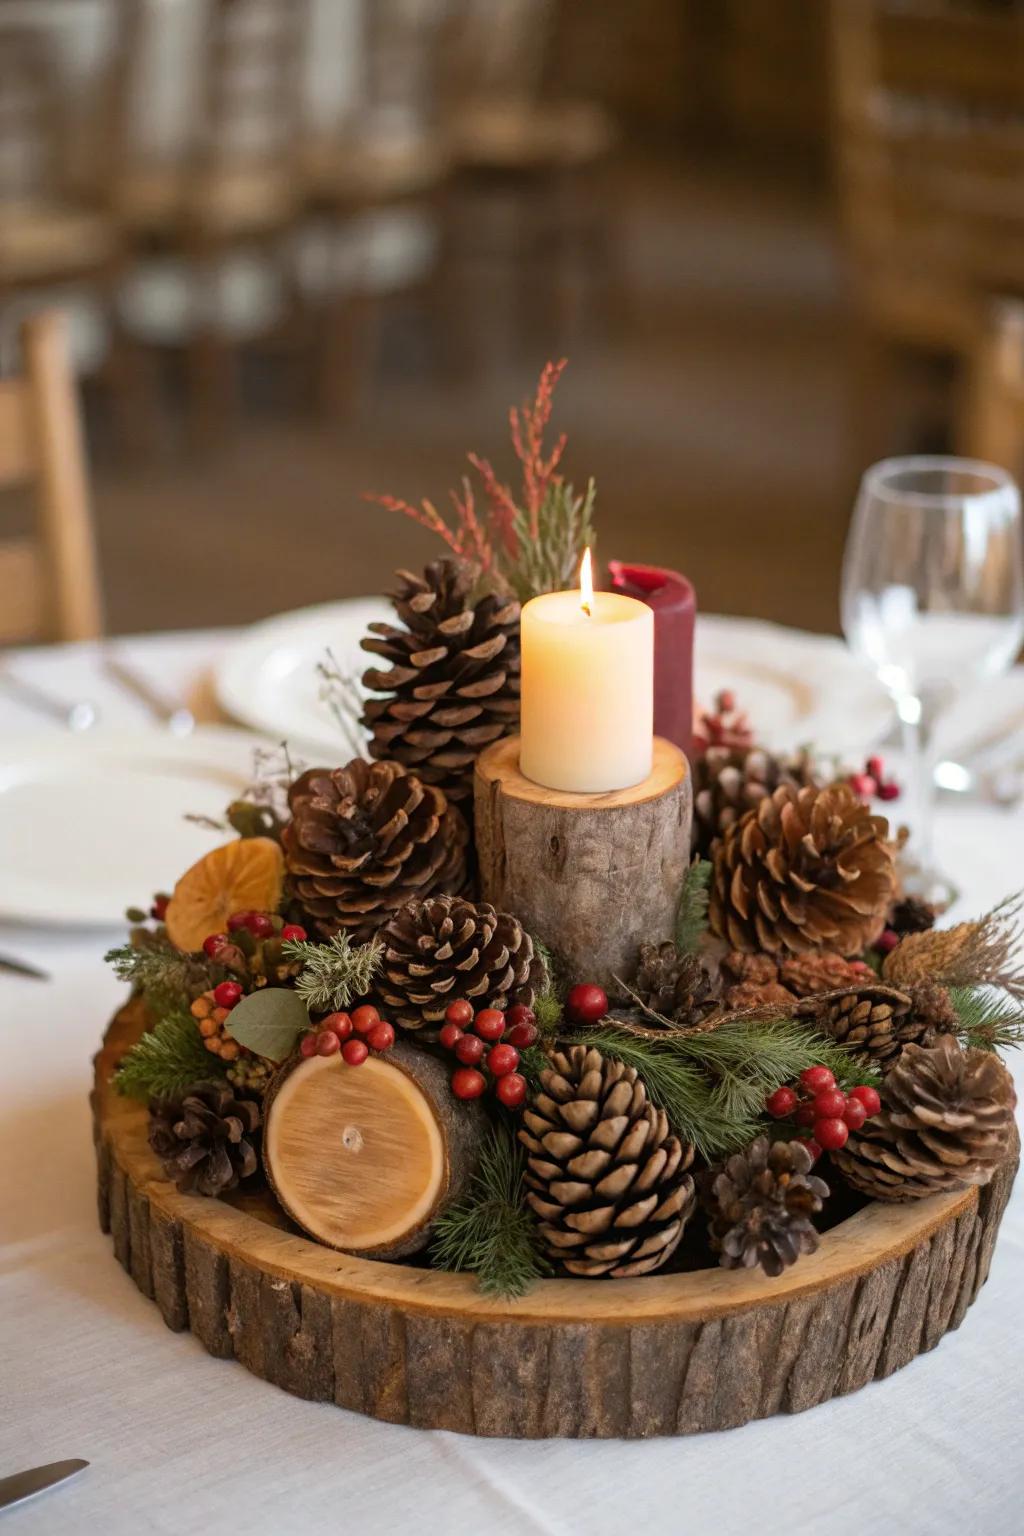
column 268, row 1022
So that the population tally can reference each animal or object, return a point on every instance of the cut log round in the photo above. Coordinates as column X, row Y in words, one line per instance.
column 669, row 1354
column 365, row 1158
column 585, row 873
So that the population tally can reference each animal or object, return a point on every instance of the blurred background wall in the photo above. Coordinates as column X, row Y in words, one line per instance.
column 314, row 248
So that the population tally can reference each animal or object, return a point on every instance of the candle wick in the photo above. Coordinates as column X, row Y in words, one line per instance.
column 586, row 609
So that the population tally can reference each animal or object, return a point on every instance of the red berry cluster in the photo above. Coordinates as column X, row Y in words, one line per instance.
column 260, row 924
column 872, row 784
column 354, row 1034
column 489, row 1039
column 817, row 1104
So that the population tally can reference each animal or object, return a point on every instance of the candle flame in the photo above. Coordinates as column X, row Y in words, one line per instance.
column 586, row 585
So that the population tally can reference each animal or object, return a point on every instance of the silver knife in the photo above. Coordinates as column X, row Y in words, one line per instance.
column 22, row 968
column 22, row 1485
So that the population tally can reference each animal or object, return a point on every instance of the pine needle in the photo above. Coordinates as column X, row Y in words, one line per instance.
column 166, row 977
column 987, row 1021
column 712, row 1085
column 333, row 974
column 548, row 1005
column 692, row 911
column 168, row 1059
column 492, row 1231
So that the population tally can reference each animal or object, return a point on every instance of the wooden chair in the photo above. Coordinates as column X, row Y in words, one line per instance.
column 387, row 155
column 232, row 185
column 49, row 584
column 47, row 234
column 995, row 399
column 929, row 138
column 545, row 156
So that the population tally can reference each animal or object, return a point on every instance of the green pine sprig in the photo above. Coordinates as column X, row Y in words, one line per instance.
column 712, row 1085
column 549, row 1003
column 167, row 978
column 988, row 1021
column 335, row 973
column 692, row 911
column 168, row 1059
column 549, row 559
column 491, row 1231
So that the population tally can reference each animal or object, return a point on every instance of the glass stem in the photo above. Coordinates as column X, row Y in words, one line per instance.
column 917, row 745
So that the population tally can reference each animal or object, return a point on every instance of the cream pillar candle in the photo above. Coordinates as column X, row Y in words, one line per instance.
column 587, row 708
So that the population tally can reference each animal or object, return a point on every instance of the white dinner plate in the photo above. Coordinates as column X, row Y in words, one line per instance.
column 90, row 825
column 797, row 688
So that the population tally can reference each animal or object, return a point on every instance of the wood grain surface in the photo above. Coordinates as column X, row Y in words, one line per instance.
column 663, row 1355
column 587, row 873
column 365, row 1158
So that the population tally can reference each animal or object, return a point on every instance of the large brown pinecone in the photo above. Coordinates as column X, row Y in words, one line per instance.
column 365, row 839
column 806, row 869
column 445, row 948
column 605, row 1175
column 677, row 986
column 451, row 684
column 760, row 1206
column 206, row 1139
column 946, row 1122
column 729, row 781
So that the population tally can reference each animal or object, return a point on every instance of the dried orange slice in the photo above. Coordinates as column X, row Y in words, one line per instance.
column 244, row 875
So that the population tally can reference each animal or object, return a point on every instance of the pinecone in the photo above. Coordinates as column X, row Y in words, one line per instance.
column 444, row 948
column 807, row 869
column 752, row 981
column 675, row 985
column 933, row 1010
column 365, row 839
column 946, row 1122
column 761, row 1206
column 205, row 1139
column 874, row 1020
column 910, row 915
column 729, row 781
column 821, row 971
column 605, row 1175
column 724, row 726
column 452, row 682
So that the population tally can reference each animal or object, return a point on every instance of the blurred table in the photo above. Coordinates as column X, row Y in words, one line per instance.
column 179, row 1441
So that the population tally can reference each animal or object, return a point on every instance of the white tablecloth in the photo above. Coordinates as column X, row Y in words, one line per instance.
column 179, row 1442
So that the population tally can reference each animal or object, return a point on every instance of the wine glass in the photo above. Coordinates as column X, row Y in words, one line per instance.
column 933, row 600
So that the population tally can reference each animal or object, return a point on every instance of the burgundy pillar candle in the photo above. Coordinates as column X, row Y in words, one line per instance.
column 675, row 609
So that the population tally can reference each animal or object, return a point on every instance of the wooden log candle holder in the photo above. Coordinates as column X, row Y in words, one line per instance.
column 590, row 873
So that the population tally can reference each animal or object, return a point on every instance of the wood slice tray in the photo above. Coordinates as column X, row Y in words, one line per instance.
column 665, row 1355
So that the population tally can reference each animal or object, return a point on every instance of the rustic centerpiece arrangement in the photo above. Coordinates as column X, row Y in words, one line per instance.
column 558, row 1067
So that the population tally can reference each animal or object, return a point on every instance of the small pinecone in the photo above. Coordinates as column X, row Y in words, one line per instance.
column 946, row 1122
column 806, row 869
column 729, row 781
column 451, row 684
column 874, row 1020
column 365, row 839
column 761, row 1206
column 675, row 985
column 821, row 971
column 444, row 948
column 724, row 726
column 911, row 915
column 606, row 1177
column 205, row 1139
column 752, row 981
